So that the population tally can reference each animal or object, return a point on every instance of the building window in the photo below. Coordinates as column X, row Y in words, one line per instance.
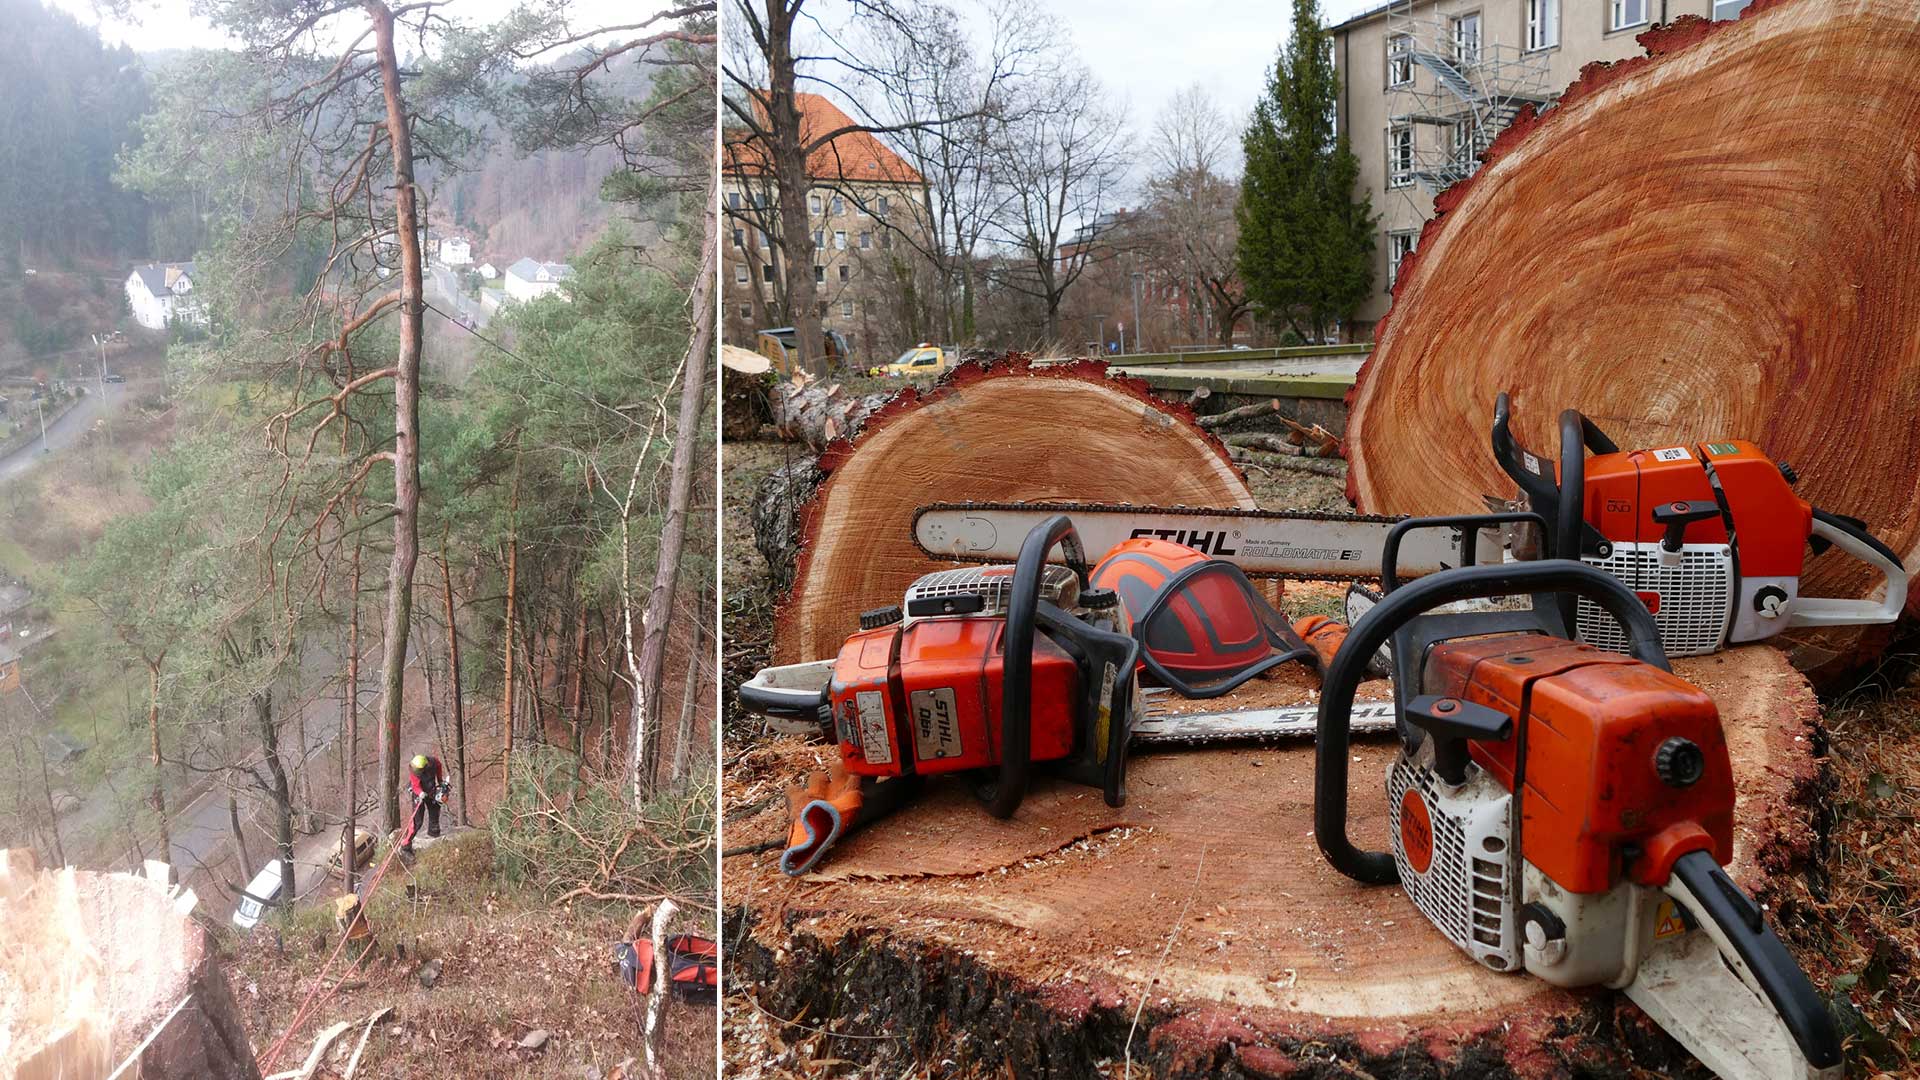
column 846, row 272
column 1466, row 38
column 1463, row 143
column 839, row 241
column 739, row 238
column 740, row 274
column 1627, row 13
column 819, row 272
column 839, row 206
column 1399, row 246
column 823, row 309
column 1728, row 9
column 846, row 309
column 819, row 237
column 1543, row 24
column 880, row 206
column 1400, row 155
column 813, row 204
column 886, row 241
column 866, row 241
column 1399, row 60
column 746, row 311
column 733, row 200
column 766, row 273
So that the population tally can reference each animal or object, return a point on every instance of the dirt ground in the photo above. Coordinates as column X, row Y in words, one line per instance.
column 1853, row 914
column 510, row 966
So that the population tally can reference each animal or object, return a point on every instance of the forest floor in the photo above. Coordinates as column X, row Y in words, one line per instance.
column 510, row 965
column 1859, row 906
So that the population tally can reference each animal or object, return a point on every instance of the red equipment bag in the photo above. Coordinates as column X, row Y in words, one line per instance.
column 693, row 966
column 1202, row 627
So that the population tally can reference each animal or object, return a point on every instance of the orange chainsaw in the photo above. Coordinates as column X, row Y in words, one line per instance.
column 1709, row 535
column 1567, row 811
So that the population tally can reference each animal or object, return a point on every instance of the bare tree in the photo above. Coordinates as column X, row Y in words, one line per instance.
column 1191, row 197
column 861, row 44
column 1060, row 162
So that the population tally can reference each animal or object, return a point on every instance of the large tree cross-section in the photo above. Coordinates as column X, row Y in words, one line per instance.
column 1715, row 240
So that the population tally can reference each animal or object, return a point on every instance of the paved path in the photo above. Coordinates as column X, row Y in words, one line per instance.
column 446, row 286
column 65, row 431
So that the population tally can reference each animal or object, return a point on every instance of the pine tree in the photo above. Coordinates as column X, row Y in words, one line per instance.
column 1306, row 245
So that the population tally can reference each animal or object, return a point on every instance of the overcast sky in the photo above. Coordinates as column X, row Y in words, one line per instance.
column 1146, row 50
column 166, row 24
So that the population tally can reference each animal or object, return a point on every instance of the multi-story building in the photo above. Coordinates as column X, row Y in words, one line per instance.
column 861, row 214
column 1426, row 85
column 159, row 293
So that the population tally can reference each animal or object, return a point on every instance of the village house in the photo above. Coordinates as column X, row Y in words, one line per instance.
column 456, row 251
column 487, row 272
column 159, row 293
column 530, row 278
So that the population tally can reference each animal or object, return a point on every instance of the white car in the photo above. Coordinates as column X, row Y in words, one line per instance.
column 262, row 893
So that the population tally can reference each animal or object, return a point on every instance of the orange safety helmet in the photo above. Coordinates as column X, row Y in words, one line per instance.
column 1202, row 627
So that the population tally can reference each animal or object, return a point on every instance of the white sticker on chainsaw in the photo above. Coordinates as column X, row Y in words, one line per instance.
column 936, row 724
column 874, row 740
column 1672, row 453
column 1532, row 463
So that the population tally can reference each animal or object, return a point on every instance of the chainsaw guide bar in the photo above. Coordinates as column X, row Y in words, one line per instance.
column 1306, row 545
column 1287, row 722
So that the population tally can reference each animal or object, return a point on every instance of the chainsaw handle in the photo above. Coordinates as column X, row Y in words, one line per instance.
column 1524, row 467
column 1469, row 525
column 1396, row 609
column 1004, row 795
column 1864, row 546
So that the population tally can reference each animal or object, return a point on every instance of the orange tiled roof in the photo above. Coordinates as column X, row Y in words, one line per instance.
column 854, row 157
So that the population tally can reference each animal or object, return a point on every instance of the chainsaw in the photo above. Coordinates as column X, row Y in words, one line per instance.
column 1710, row 536
column 1567, row 811
column 994, row 671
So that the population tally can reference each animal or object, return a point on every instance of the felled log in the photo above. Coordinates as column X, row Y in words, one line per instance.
column 1292, row 462
column 817, row 413
column 1006, row 432
column 101, row 968
column 744, row 392
column 1024, row 947
column 776, row 518
column 1715, row 240
column 1314, row 442
column 1239, row 415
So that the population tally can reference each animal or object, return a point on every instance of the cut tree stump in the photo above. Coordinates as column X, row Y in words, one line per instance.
column 96, row 968
column 1003, row 432
column 1715, row 240
column 1024, row 947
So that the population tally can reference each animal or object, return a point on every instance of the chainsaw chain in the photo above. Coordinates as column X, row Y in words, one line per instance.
column 1169, row 511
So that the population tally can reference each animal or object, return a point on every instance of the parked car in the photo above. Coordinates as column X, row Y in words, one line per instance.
column 263, row 892
column 364, row 841
column 782, row 346
column 115, row 379
column 921, row 360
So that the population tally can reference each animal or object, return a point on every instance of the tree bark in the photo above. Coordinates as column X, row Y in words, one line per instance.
column 996, row 433
column 649, row 666
column 239, row 834
column 406, row 421
column 683, row 735
column 1745, row 271
column 453, row 680
column 791, row 185
column 351, row 698
column 506, row 648
column 818, row 413
column 159, row 784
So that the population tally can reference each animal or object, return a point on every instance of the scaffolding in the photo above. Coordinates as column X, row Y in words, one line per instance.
column 1450, row 92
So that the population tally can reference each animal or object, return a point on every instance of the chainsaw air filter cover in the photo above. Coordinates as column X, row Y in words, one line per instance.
column 1202, row 626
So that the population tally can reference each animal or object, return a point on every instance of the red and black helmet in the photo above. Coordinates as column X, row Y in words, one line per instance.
column 1202, row 627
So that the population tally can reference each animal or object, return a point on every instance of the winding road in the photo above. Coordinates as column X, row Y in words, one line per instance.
column 66, row 430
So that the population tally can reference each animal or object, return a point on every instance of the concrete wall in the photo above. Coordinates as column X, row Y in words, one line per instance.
column 1366, row 103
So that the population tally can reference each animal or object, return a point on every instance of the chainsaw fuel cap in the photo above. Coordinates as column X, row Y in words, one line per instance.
column 1679, row 762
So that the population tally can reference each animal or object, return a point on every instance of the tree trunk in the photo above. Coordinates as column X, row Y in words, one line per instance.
column 352, row 700
column 776, row 519
column 651, row 662
column 453, row 680
column 791, row 186
column 282, row 790
column 1256, row 959
column 683, row 735
column 506, row 648
column 1745, row 271
column 406, row 423
column 818, row 413
column 1006, row 432
column 159, row 781
column 239, row 834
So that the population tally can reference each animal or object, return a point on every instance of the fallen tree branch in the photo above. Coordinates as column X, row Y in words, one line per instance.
column 1291, row 463
column 1239, row 415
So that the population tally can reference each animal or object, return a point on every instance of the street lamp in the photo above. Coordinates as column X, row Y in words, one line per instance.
column 40, row 406
column 1138, row 277
column 101, row 340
